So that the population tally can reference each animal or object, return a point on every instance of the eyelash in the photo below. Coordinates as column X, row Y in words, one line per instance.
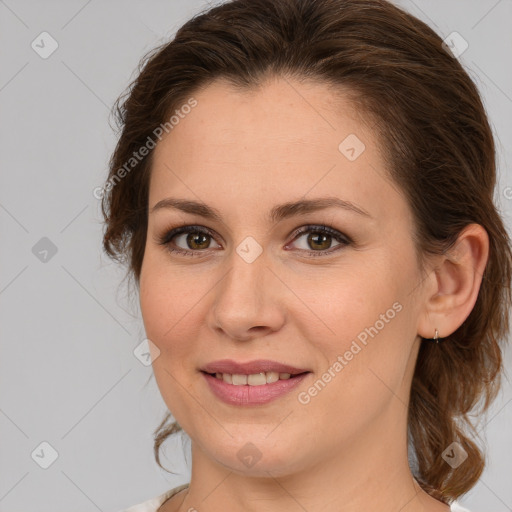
column 165, row 239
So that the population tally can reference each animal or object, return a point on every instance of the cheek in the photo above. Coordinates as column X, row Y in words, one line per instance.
column 168, row 302
column 338, row 304
column 169, row 306
column 363, row 315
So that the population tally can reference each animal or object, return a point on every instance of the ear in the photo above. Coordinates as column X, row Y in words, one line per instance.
column 452, row 287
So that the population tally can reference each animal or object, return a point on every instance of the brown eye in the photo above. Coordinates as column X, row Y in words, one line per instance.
column 319, row 240
column 187, row 240
column 197, row 241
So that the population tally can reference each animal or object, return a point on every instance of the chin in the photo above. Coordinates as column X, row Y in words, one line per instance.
column 260, row 458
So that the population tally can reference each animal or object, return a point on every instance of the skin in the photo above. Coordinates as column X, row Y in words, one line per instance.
column 243, row 153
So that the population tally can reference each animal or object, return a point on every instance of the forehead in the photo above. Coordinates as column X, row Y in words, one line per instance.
column 296, row 139
column 281, row 112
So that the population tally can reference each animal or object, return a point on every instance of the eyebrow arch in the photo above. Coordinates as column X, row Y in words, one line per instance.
column 278, row 213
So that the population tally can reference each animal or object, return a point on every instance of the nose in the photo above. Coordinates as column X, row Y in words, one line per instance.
column 248, row 300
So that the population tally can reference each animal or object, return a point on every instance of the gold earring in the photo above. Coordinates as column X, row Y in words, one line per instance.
column 436, row 337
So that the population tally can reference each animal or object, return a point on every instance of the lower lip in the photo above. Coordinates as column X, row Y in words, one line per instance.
column 251, row 395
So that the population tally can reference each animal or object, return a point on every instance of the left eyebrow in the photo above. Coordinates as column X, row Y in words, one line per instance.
column 277, row 213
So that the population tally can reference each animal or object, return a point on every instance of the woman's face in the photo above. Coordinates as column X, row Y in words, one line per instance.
column 343, row 305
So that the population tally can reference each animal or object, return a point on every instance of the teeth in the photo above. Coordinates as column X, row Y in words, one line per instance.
column 255, row 379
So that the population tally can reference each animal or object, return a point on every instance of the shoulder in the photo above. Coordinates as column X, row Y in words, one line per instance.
column 153, row 504
column 456, row 507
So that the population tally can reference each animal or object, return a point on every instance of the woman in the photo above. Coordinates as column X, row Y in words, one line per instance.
column 302, row 191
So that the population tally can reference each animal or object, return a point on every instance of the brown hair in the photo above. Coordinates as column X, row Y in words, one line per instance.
column 438, row 147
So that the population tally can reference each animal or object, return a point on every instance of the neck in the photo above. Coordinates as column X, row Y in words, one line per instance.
column 370, row 472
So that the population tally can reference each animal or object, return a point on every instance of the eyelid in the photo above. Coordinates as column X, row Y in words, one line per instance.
column 321, row 228
column 173, row 232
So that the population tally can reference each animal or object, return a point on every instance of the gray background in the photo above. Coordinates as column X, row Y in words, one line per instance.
column 68, row 375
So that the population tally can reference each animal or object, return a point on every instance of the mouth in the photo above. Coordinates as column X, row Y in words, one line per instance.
column 253, row 379
column 252, row 373
column 253, row 389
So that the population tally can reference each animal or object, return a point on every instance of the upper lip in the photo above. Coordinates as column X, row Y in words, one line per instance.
column 250, row 367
